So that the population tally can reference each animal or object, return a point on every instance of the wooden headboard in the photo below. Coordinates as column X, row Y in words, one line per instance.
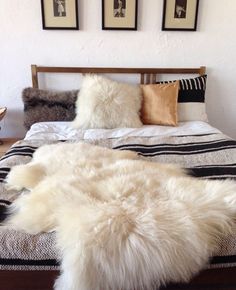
column 147, row 75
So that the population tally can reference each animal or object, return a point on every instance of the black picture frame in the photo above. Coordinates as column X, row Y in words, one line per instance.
column 119, row 14
column 60, row 14
column 180, row 15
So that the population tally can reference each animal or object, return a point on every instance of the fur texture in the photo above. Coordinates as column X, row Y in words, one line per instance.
column 104, row 103
column 45, row 105
column 121, row 223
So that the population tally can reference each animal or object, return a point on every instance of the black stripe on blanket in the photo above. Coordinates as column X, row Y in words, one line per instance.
column 16, row 154
column 180, row 149
column 20, row 151
column 175, row 152
column 214, row 171
column 223, row 259
column 4, row 204
column 219, row 171
column 3, row 173
column 22, row 262
column 54, row 262
column 16, row 150
column 192, row 147
column 217, row 165
column 128, row 146
column 198, row 135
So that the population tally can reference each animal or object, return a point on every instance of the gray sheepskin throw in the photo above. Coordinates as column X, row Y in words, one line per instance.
column 45, row 105
column 121, row 222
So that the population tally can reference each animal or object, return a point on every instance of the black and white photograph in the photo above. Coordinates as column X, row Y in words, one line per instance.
column 180, row 15
column 119, row 8
column 119, row 14
column 180, row 8
column 59, row 7
column 60, row 14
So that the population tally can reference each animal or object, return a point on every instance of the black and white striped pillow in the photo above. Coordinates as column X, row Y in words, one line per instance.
column 191, row 99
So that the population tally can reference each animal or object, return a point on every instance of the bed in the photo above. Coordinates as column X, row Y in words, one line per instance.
column 31, row 262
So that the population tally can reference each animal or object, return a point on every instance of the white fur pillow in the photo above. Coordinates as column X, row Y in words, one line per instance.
column 104, row 103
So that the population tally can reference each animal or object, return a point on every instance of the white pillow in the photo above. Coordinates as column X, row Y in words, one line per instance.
column 103, row 103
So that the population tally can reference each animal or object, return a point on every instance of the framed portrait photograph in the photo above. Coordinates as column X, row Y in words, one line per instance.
column 60, row 14
column 180, row 15
column 119, row 14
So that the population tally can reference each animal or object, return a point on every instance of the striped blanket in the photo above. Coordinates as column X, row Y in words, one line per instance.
column 206, row 156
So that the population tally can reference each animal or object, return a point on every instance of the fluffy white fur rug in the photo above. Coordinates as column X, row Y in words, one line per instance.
column 121, row 223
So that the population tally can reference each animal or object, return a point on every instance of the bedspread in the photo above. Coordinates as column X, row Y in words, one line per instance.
column 206, row 156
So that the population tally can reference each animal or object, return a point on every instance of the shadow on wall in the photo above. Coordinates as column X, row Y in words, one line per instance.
column 216, row 100
column 12, row 124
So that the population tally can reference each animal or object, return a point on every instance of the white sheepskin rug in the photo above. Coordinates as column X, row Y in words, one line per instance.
column 121, row 222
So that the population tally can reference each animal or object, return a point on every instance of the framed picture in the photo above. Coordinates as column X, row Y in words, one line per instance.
column 180, row 15
column 119, row 14
column 60, row 14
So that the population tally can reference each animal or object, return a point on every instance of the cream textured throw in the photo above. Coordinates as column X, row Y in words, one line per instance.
column 121, row 222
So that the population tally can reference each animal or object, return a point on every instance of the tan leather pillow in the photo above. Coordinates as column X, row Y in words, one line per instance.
column 159, row 105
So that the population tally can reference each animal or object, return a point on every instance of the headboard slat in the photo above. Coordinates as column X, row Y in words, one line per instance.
column 148, row 78
column 153, row 78
column 142, row 79
column 149, row 73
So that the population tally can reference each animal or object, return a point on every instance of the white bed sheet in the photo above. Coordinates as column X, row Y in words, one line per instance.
column 64, row 131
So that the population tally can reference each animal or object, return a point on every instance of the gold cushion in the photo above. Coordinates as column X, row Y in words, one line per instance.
column 159, row 105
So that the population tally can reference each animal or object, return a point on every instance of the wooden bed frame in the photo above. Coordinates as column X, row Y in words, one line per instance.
column 147, row 75
column 212, row 279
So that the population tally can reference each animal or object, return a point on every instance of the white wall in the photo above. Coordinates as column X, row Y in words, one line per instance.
column 23, row 42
